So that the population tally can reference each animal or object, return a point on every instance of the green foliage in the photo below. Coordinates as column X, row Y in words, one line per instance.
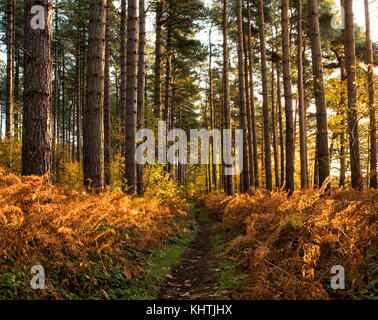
column 10, row 154
column 70, row 174
column 160, row 184
column 370, row 273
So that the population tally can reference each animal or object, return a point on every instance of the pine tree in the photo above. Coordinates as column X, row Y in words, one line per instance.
column 252, row 97
column 268, row 161
column 301, row 106
column 36, row 147
column 350, row 64
column 131, row 97
column 322, row 152
column 226, row 90
column 93, row 135
column 10, row 63
column 141, row 83
column 373, row 125
column 243, row 117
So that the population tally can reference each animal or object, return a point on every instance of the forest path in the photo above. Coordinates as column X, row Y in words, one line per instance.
column 192, row 279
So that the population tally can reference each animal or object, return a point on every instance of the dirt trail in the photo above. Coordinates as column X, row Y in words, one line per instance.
column 191, row 278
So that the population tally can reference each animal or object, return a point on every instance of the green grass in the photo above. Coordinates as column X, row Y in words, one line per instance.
column 229, row 274
column 158, row 265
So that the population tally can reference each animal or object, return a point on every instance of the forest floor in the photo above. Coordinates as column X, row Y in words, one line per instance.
column 200, row 275
column 191, row 278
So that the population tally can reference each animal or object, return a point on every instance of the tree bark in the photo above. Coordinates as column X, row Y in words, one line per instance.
column 350, row 64
column 286, row 65
column 122, row 103
column 167, row 97
column 248, row 109
column 79, row 145
column 157, row 89
column 253, row 113
column 55, row 133
column 93, row 138
column 373, row 124
column 280, row 121
column 341, row 112
column 243, row 117
column 275, row 149
column 10, row 55
column 107, row 136
column 212, row 111
column 36, row 147
column 141, row 83
column 226, row 83
column 302, row 111
column 267, row 144
column 322, row 150
column 131, row 97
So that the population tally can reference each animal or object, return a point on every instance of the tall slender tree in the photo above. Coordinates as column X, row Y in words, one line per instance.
column 79, row 122
column 131, row 96
column 373, row 124
column 322, row 150
column 141, row 83
column 350, row 64
column 267, row 144
column 36, row 145
column 243, row 116
column 274, row 131
column 286, row 64
column 226, row 90
column 252, row 97
column 212, row 109
column 248, row 108
column 107, row 135
column 122, row 102
column 301, row 105
column 158, row 43
column 10, row 64
column 93, row 135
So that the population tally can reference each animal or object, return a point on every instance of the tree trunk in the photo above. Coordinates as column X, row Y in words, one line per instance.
column 212, row 111
column 79, row 105
column 55, row 139
column 280, row 121
column 17, row 103
column 157, row 88
column 275, row 149
column 248, row 107
column 302, row 112
column 36, row 147
column 243, row 117
column 322, row 150
column 93, row 138
column 286, row 65
column 253, row 114
column 373, row 125
column 341, row 112
column 64, row 112
column 141, row 83
column 350, row 61
column 268, row 160
column 10, row 55
column 122, row 106
column 167, row 97
column 226, row 83
column 131, row 97
column 107, row 136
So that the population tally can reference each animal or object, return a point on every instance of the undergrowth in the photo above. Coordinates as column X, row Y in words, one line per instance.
column 91, row 246
column 288, row 245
